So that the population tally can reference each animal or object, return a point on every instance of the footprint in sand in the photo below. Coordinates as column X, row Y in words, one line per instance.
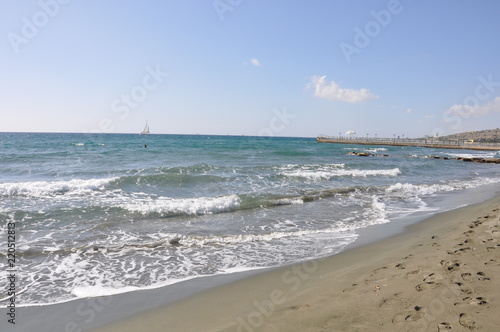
column 467, row 277
column 426, row 286
column 412, row 275
column 433, row 277
column 474, row 224
column 451, row 265
column 444, row 326
column 379, row 269
column 491, row 261
column 466, row 321
column 492, row 248
column 392, row 300
column 487, row 241
column 400, row 266
column 417, row 315
column 460, row 304
column 350, row 289
column 479, row 301
column 482, row 276
column 469, row 233
column 464, row 288
column 462, row 244
column 463, row 250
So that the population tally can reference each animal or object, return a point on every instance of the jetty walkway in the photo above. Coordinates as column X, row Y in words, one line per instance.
column 419, row 142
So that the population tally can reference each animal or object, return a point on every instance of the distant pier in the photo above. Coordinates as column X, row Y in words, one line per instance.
column 418, row 142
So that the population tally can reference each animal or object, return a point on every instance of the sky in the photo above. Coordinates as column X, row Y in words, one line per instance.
column 240, row 67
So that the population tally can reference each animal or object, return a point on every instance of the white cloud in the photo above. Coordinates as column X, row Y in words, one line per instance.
column 333, row 91
column 475, row 110
column 409, row 111
column 350, row 132
column 255, row 62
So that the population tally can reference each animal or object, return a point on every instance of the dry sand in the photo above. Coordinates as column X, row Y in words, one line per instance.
column 442, row 274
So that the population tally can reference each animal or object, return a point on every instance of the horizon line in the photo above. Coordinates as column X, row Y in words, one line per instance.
column 131, row 133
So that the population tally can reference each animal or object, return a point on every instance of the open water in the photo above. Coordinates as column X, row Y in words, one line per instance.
column 99, row 214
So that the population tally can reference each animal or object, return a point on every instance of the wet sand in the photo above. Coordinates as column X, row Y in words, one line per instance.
column 441, row 274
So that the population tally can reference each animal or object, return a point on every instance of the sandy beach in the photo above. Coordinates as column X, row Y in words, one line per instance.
column 441, row 274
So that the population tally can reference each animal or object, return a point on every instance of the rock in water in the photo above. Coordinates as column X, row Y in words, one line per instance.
column 176, row 241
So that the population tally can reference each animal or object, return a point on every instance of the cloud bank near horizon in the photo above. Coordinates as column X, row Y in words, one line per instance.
column 476, row 110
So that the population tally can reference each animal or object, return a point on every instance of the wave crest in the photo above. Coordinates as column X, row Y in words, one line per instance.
column 336, row 170
column 51, row 188
column 165, row 206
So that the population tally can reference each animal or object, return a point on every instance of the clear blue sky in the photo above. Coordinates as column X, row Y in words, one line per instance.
column 252, row 67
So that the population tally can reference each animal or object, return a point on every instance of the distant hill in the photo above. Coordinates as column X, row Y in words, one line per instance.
column 491, row 136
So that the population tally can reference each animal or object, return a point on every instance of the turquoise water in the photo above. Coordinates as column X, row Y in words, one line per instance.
column 99, row 214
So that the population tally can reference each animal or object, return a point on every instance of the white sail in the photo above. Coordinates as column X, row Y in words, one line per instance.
column 145, row 131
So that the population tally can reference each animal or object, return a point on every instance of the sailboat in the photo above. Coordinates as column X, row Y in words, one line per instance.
column 145, row 131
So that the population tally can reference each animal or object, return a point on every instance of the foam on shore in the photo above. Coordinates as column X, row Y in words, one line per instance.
column 441, row 274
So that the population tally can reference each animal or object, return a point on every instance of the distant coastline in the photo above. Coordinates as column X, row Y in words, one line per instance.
column 483, row 136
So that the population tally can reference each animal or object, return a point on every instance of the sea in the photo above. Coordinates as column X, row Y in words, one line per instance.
column 101, row 214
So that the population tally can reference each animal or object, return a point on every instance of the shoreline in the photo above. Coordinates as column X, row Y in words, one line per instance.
column 257, row 299
column 440, row 273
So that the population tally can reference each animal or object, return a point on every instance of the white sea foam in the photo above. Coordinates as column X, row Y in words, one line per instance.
column 290, row 201
column 49, row 188
column 202, row 205
column 328, row 174
column 489, row 154
column 406, row 190
column 291, row 167
column 246, row 238
column 378, row 212
column 375, row 150
column 78, row 275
